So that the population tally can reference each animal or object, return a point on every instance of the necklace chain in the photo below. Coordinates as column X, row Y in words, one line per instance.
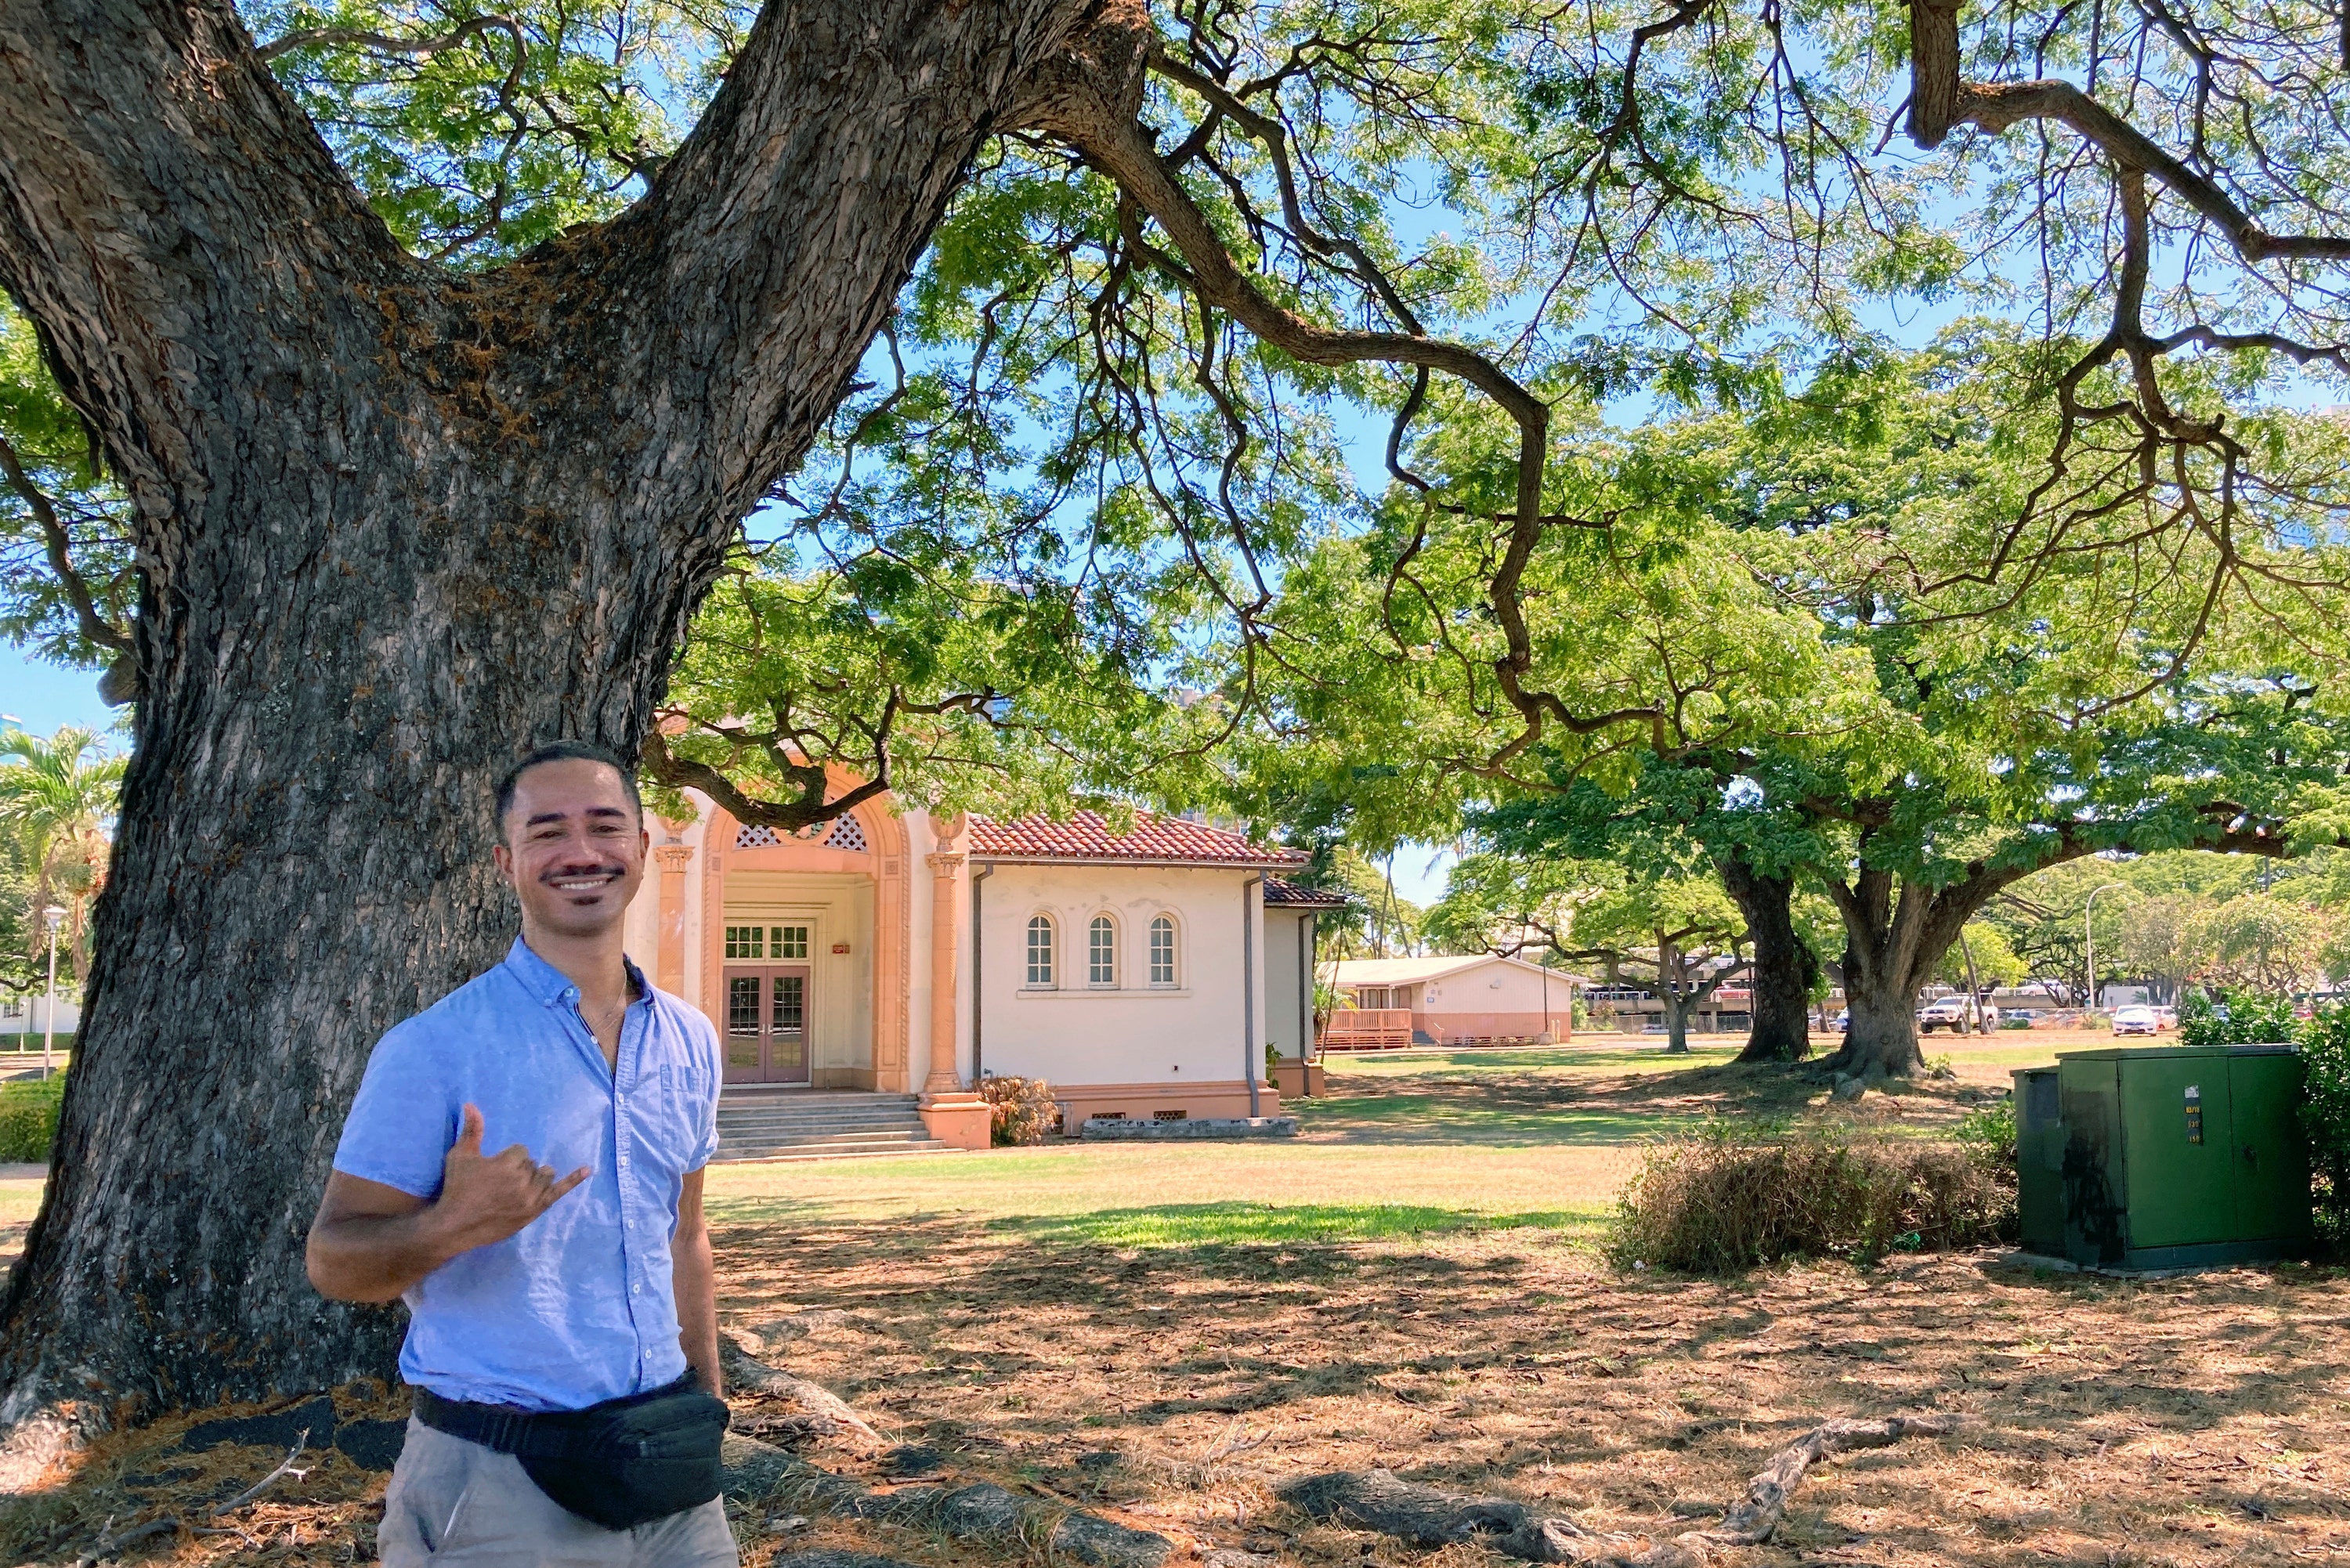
column 611, row 1016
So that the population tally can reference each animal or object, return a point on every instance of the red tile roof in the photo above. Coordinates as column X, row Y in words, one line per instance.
column 1159, row 840
column 1283, row 894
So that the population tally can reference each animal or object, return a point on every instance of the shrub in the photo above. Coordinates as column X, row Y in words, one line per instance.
column 2237, row 1018
column 1731, row 1195
column 1022, row 1109
column 2326, row 1118
column 28, row 1119
column 1987, row 1135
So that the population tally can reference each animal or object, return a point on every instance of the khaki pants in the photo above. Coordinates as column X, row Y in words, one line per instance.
column 455, row 1502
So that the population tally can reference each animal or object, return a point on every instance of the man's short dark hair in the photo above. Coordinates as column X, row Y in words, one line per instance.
column 559, row 751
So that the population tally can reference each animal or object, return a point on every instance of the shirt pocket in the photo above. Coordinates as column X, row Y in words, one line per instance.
column 672, row 1113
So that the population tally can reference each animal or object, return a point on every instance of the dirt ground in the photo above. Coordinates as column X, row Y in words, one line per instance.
column 1166, row 1363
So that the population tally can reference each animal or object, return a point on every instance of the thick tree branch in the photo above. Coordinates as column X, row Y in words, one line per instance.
column 814, row 803
column 1089, row 99
column 1996, row 107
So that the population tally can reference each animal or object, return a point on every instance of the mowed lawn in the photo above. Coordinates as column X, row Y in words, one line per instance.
column 1404, row 1141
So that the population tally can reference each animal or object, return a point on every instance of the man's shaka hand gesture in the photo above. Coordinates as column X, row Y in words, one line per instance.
column 487, row 1198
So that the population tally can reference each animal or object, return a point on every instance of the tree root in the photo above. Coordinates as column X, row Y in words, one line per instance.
column 1426, row 1516
column 827, row 1415
column 980, row 1513
column 109, row 1543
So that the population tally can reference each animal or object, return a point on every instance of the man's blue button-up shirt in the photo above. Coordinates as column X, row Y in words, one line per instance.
column 578, row 1306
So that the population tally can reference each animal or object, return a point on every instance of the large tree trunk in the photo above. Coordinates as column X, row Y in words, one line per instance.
column 1677, row 1013
column 1892, row 947
column 1785, row 969
column 396, row 524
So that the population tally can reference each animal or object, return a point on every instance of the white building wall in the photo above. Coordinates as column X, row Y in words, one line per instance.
column 1076, row 1033
column 1285, row 979
column 30, row 1014
column 1510, row 995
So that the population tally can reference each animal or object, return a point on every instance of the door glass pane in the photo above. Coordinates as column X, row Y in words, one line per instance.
column 742, row 1021
column 789, row 1048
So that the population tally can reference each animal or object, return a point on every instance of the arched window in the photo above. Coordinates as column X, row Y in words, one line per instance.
column 1162, row 950
column 1101, row 952
column 1040, row 950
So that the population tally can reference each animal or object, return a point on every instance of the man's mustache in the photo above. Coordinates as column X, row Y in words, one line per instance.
column 573, row 873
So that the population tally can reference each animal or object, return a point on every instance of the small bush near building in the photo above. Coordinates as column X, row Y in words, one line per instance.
column 1733, row 1195
column 28, row 1119
column 1024, row 1109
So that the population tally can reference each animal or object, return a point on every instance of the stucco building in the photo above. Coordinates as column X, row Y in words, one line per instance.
column 1447, row 999
column 1142, row 974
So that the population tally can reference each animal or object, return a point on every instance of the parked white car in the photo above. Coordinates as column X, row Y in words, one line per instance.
column 2137, row 1021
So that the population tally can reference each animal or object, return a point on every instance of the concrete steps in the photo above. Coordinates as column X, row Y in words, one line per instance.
column 775, row 1124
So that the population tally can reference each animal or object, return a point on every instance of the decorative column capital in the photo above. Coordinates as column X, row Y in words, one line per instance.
column 947, row 864
column 673, row 857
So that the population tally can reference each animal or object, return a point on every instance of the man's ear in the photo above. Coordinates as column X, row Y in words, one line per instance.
column 502, row 854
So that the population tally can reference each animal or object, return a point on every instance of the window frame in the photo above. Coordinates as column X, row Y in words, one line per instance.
column 1165, row 918
column 1051, row 949
column 1098, row 954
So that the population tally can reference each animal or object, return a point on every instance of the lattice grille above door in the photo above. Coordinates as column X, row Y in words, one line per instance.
column 845, row 835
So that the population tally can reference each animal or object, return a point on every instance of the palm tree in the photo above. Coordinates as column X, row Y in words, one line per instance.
column 57, row 801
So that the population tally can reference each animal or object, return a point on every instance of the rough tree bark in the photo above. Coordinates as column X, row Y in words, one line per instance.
column 1785, row 967
column 395, row 525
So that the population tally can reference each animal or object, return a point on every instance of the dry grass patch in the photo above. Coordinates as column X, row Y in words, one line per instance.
column 1170, row 1387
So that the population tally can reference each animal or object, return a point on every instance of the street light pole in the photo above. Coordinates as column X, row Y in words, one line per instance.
column 2089, row 936
column 55, row 917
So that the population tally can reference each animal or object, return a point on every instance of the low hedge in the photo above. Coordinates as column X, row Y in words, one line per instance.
column 1735, row 1194
column 28, row 1119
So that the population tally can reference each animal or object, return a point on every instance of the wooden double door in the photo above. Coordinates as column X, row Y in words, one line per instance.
column 767, row 1024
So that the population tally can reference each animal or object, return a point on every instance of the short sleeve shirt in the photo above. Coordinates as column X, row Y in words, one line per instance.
column 580, row 1306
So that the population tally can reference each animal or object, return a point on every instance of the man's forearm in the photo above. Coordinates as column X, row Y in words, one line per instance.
column 378, row 1257
column 697, row 1307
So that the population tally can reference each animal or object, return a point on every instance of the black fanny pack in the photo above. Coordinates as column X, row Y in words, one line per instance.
column 623, row 1463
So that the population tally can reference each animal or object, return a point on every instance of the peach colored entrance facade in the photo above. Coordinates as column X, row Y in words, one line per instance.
column 1142, row 974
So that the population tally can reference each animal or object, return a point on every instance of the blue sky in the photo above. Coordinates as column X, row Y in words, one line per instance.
column 40, row 696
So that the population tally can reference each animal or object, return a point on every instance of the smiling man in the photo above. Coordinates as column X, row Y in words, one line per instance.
column 563, row 1333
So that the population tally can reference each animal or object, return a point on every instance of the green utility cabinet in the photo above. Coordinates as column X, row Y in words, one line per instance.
column 2039, row 1162
column 2163, row 1157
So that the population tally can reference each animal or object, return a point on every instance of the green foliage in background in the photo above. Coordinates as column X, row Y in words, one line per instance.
column 2237, row 1018
column 1987, row 1134
column 2326, row 1118
column 28, row 1119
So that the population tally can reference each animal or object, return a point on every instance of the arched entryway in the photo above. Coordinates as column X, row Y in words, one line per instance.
column 804, row 951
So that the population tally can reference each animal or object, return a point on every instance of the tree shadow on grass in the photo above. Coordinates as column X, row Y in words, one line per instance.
column 1228, row 1225
column 1471, row 1351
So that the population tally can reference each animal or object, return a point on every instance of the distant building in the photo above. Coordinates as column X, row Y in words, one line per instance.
column 1466, row 999
column 1142, row 972
column 29, row 1015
